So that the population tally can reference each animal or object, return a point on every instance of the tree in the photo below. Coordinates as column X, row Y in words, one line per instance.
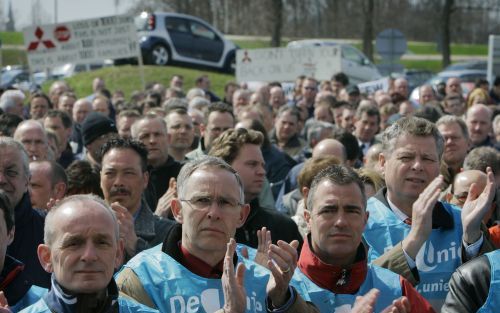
column 448, row 9
column 276, row 22
column 368, row 8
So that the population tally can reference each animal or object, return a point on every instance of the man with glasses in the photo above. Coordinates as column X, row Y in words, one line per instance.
column 309, row 91
column 186, row 271
column 34, row 139
column 241, row 149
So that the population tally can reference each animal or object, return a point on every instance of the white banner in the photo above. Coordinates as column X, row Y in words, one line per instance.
column 82, row 42
column 286, row 64
column 374, row 85
column 493, row 58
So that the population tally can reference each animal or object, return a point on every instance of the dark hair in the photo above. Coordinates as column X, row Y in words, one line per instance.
column 341, row 78
column 134, row 145
column 8, row 123
column 218, row 107
column 370, row 110
column 82, row 179
column 350, row 143
column 65, row 118
column 8, row 210
column 339, row 175
column 39, row 94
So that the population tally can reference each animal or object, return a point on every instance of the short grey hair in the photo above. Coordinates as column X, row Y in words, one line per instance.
column 315, row 129
column 482, row 157
column 6, row 142
column 414, row 126
column 49, row 229
column 452, row 119
column 205, row 162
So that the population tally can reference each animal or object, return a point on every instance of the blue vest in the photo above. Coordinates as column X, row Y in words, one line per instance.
column 492, row 303
column 437, row 259
column 173, row 288
column 33, row 295
column 326, row 301
column 126, row 306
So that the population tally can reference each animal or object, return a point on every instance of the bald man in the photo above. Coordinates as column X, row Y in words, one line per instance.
column 479, row 123
column 330, row 147
column 34, row 139
column 461, row 185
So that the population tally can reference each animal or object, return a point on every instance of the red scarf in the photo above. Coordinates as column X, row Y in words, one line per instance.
column 337, row 279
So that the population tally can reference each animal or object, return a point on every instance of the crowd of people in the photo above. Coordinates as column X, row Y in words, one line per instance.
column 181, row 200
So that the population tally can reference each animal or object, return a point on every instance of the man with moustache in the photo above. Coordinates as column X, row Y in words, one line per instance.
column 124, row 177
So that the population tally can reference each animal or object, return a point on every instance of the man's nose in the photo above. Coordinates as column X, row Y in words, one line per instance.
column 89, row 253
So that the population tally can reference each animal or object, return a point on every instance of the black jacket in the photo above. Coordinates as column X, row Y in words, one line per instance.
column 13, row 280
column 29, row 234
column 469, row 287
column 159, row 179
column 281, row 226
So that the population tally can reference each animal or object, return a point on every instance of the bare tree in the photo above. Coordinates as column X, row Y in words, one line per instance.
column 276, row 22
column 368, row 7
column 445, row 28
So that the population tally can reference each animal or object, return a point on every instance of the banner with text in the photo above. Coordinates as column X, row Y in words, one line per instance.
column 286, row 64
column 374, row 85
column 81, row 42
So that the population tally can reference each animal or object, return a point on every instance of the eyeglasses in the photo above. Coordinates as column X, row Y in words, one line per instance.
column 204, row 202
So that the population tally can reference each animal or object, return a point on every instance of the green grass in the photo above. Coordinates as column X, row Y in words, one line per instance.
column 11, row 38
column 13, row 57
column 127, row 78
column 431, row 65
column 256, row 44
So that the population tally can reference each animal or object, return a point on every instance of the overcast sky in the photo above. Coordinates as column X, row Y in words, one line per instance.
column 68, row 10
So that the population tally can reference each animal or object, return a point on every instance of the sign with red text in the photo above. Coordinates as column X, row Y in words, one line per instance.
column 81, row 42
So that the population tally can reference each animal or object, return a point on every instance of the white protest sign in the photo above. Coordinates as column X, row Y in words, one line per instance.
column 286, row 64
column 84, row 41
column 374, row 85
column 493, row 68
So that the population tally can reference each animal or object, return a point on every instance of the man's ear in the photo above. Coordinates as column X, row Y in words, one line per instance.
column 381, row 161
column 176, row 208
column 44, row 256
column 145, row 177
column 59, row 190
column 10, row 235
column 245, row 210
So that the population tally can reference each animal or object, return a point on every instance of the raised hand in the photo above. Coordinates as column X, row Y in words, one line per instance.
column 235, row 298
column 475, row 208
column 163, row 207
column 421, row 226
column 282, row 263
column 127, row 228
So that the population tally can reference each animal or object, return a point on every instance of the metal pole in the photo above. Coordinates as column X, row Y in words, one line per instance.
column 55, row 11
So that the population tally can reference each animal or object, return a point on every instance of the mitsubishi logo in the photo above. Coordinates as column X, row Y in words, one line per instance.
column 34, row 44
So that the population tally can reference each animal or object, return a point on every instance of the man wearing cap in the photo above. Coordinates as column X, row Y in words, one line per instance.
column 96, row 130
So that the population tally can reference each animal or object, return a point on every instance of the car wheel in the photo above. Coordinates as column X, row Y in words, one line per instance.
column 160, row 55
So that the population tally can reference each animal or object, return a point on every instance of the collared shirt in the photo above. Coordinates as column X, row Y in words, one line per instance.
column 200, row 267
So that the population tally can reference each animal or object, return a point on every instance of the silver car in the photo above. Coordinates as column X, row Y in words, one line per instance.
column 167, row 38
